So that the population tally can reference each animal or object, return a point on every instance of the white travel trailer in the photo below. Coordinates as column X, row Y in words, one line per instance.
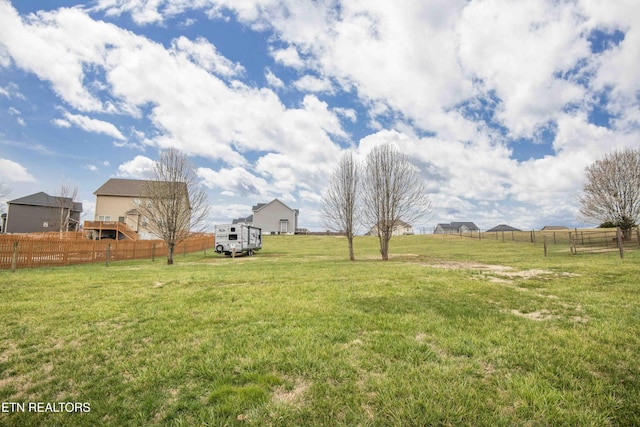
column 238, row 238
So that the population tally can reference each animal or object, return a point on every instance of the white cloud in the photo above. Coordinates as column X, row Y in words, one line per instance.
column 90, row 125
column 348, row 113
column 14, row 172
column 313, row 84
column 50, row 45
column 235, row 182
column 273, row 80
column 516, row 49
column 140, row 167
column 143, row 12
column 206, row 55
column 288, row 57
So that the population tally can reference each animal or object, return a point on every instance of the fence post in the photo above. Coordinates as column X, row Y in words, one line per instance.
column 572, row 244
column 153, row 253
column 108, row 254
column 544, row 239
column 638, row 234
column 14, row 257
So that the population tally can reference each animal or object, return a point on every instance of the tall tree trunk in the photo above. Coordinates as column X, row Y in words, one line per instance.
column 170, row 254
column 351, row 254
column 384, row 247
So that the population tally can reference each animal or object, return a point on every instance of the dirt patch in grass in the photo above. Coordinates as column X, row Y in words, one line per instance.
column 539, row 315
column 498, row 273
column 290, row 396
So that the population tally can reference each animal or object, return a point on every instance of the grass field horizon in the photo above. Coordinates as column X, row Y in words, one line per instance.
column 449, row 331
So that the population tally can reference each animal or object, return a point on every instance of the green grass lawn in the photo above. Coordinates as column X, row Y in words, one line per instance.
column 450, row 331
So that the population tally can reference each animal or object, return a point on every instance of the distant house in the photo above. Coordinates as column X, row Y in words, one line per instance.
column 554, row 228
column 455, row 228
column 41, row 212
column 247, row 220
column 502, row 227
column 115, row 214
column 400, row 228
column 273, row 218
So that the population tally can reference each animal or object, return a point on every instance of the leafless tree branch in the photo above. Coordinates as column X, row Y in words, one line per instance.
column 340, row 205
column 612, row 190
column 174, row 203
column 392, row 191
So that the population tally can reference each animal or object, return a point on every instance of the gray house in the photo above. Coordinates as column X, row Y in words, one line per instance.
column 455, row 228
column 41, row 212
column 273, row 218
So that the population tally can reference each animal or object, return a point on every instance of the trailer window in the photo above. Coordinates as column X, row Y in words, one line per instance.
column 233, row 237
column 233, row 229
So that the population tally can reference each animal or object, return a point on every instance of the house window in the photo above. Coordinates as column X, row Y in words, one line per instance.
column 121, row 219
column 284, row 225
column 104, row 218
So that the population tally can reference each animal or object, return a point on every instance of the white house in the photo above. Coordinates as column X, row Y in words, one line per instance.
column 273, row 218
column 400, row 228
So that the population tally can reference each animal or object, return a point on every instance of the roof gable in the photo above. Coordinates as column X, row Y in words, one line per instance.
column 261, row 206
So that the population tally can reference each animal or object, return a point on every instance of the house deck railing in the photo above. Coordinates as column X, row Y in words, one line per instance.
column 118, row 227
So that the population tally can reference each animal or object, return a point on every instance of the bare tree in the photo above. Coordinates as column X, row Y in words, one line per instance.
column 392, row 191
column 174, row 202
column 340, row 205
column 66, row 196
column 612, row 190
column 4, row 191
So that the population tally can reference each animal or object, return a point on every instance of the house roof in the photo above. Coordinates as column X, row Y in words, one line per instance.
column 121, row 187
column 555, row 227
column 503, row 227
column 260, row 206
column 458, row 225
column 45, row 200
column 246, row 220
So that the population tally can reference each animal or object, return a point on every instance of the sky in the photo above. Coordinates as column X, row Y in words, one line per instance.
column 501, row 104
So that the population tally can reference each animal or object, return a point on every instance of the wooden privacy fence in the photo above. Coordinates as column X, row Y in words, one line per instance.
column 22, row 251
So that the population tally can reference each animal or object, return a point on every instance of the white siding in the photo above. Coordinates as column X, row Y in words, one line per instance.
column 275, row 217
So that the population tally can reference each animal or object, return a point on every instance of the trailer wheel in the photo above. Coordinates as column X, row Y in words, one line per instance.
column 219, row 248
